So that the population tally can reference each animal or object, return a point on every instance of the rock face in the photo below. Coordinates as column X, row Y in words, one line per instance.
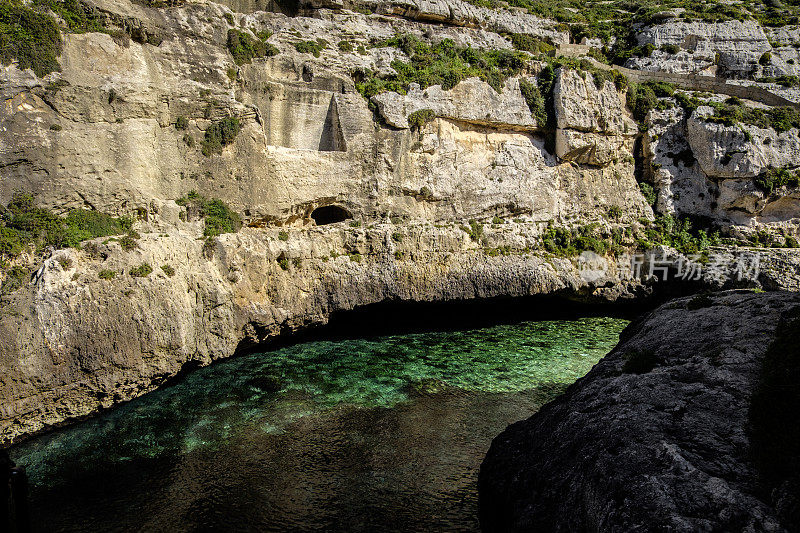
column 656, row 433
column 592, row 124
column 472, row 101
column 734, row 46
column 90, row 342
column 456, row 208
column 742, row 151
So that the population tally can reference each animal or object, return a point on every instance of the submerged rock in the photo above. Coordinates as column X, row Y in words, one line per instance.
column 654, row 437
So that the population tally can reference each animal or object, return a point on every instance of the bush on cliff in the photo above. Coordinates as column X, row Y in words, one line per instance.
column 418, row 119
column 443, row 64
column 219, row 218
column 314, row 48
column 780, row 119
column 219, row 135
column 244, row 48
column 30, row 37
column 23, row 224
column 775, row 178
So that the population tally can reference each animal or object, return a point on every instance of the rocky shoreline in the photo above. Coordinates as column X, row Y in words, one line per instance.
column 656, row 436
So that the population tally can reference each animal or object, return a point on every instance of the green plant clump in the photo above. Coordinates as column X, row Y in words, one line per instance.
column 679, row 234
column 775, row 178
column 314, row 48
column 219, row 135
column 219, row 218
column 780, row 119
column 23, row 224
column 442, row 63
column 529, row 43
column 142, row 271
column 418, row 119
column 244, row 48
column 30, row 37
column 567, row 242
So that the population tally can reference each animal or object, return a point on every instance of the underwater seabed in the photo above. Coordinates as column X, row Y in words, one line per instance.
column 348, row 434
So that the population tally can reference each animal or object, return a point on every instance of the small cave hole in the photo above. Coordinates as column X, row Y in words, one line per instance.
column 330, row 214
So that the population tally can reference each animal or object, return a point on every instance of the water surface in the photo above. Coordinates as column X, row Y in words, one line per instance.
column 373, row 434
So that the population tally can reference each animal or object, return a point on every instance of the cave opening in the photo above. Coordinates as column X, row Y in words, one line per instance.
column 330, row 214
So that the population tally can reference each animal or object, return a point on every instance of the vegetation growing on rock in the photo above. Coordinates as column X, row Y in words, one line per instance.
column 418, row 119
column 443, row 63
column 219, row 218
column 23, row 224
column 30, row 37
column 219, row 135
column 314, row 48
column 244, row 48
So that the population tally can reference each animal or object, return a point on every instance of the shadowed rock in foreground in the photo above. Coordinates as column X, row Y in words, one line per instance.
column 660, row 434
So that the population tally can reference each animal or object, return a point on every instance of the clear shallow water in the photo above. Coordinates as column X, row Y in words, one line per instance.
column 383, row 433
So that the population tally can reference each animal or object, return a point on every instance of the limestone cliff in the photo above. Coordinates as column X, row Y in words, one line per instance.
column 374, row 150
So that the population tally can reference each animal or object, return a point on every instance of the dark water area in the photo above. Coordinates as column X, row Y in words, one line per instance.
column 377, row 433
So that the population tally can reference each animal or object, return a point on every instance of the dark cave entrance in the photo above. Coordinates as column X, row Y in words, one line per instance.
column 330, row 214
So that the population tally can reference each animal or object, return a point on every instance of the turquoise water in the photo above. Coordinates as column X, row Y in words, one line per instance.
column 332, row 434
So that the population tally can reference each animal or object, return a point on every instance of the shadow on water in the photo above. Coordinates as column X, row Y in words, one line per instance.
column 378, row 421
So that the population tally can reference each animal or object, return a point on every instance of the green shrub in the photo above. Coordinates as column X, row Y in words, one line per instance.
column 671, row 48
column 775, row 178
column 128, row 242
column 283, row 235
column 345, row 46
column 107, row 274
column 283, row 263
column 567, row 242
column 679, row 234
column 181, row 123
column 529, row 43
column 219, row 135
column 765, row 59
column 615, row 212
column 244, row 48
column 311, row 47
column 536, row 102
column 418, row 119
column 22, row 224
column 168, row 270
column 142, row 271
column 475, row 230
column 355, row 257
column 639, row 362
column 229, row 19
column 443, row 64
column 219, row 218
column 649, row 193
column 188, row 140
column 780, row 119
column 30, row 37
column 397, row 236
column 55, row 127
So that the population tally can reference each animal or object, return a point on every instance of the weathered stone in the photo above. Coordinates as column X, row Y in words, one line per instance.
column 624, row 449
